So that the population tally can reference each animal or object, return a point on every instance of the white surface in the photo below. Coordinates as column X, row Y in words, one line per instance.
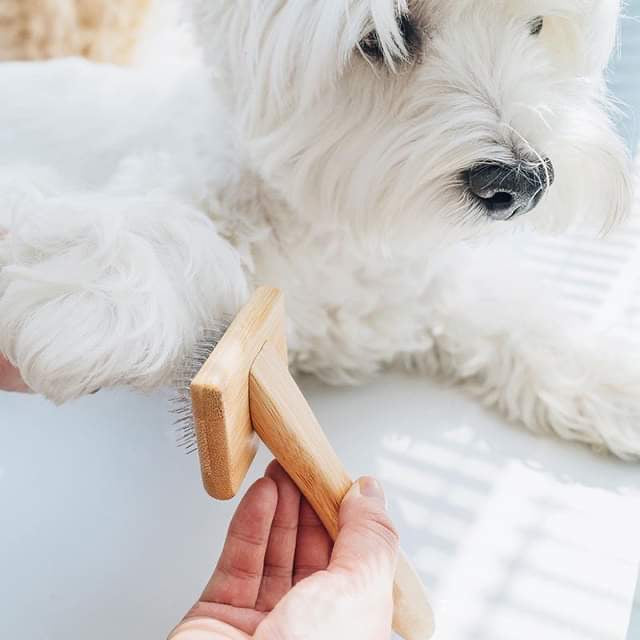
column 105, row 531
column 634, row 627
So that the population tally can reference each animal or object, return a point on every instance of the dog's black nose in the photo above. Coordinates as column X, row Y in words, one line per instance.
column 509, row 190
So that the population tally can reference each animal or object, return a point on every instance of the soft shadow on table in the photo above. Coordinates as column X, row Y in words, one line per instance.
column 518, row 536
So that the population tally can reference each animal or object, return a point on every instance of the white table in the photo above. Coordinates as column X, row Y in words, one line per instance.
column 105, row 531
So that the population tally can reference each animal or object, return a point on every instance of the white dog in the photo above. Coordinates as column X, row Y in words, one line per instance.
column 342, row 151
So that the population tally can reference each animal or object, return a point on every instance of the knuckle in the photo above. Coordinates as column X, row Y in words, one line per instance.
column 380, row 526
column 239, row 573
column 276, row 571
column 244, row 538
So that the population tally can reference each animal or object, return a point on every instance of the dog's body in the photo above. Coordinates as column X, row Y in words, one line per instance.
column 342, row 155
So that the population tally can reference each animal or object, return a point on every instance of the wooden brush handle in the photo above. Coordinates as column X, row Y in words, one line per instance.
column 285, row 423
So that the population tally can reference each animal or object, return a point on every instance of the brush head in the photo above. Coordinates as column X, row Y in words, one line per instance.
column 213, row 402
column 182, row 408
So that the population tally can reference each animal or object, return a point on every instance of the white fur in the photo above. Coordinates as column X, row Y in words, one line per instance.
column 303, row 165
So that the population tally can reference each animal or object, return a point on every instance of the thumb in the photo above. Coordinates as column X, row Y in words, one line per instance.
column 367, row 542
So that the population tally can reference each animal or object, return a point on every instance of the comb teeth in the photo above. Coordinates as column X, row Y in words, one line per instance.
column 191, row 365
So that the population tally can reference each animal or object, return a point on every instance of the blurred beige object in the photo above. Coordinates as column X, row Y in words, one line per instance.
column 103, row 30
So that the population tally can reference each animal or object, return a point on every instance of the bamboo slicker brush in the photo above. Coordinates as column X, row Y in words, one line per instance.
column 244, row 391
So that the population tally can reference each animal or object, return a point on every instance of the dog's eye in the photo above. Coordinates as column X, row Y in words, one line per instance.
column 535, row 25
column 371, row 47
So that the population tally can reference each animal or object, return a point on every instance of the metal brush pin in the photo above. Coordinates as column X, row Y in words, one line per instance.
column 191, row 365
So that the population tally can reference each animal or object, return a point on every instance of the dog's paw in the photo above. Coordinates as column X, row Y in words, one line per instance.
column 111, row 297
column 600, row 403
column 579, row 387
column 580, row 391
column 68, row 342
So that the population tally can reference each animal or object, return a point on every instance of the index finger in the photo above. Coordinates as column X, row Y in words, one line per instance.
column 237, row 578
column 278, row 561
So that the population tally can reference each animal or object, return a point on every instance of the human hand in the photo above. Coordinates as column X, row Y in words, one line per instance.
column 10, row 379
column 280, row 577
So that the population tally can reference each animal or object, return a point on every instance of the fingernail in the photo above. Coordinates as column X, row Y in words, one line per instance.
column 371, row 488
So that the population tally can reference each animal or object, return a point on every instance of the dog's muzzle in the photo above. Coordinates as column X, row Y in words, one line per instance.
column 509, row 190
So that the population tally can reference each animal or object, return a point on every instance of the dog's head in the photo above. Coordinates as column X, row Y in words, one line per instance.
column 410, row 115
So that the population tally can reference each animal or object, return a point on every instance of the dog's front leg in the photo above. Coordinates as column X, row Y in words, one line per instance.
column 494, row 328
column 100, row 290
